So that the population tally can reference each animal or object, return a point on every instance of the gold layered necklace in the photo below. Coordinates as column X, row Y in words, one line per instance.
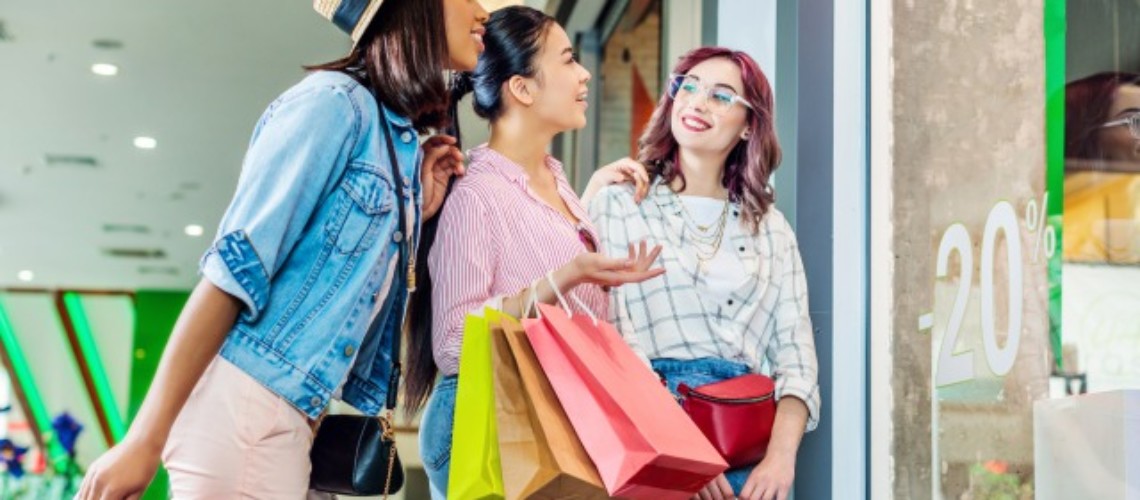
column 705, row 238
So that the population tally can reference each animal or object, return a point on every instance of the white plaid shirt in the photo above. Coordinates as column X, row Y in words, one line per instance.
column 763, row 324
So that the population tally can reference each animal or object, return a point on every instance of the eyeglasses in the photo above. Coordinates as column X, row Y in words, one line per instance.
column 718, row 99
column 1132, row 121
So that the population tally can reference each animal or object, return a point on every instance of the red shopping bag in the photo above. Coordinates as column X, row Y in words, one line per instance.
column 641, row 441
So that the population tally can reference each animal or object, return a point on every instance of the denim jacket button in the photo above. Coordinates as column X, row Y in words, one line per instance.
column 407, row 182
column 406, row 137
column 315, row 402
column 349, row 350
column 398, row 237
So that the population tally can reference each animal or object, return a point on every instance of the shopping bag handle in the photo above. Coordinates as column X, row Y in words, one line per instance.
column 532, row 305
column 562, row 300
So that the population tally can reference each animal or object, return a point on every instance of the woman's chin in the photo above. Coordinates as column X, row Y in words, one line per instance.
column 466, row 62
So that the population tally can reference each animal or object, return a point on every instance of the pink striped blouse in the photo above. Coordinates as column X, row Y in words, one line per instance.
column 495, row 238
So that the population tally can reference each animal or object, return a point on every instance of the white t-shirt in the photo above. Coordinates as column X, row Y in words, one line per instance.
column 722, row 275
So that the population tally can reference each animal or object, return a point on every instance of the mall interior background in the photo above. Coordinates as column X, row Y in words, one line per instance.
column 916, row 137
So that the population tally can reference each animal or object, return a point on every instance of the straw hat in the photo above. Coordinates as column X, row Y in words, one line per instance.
column 351, row 16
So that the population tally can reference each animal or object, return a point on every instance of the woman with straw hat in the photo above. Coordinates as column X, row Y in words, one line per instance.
column 317, row 244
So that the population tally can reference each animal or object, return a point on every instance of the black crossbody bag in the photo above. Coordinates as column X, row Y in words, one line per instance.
column 354, row 454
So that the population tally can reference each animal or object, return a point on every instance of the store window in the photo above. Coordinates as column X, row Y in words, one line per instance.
column 970, row 339
column 1100, row 299
column 1015, row 250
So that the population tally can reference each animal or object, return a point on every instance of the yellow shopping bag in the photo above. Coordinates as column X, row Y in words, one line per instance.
column 476, row 472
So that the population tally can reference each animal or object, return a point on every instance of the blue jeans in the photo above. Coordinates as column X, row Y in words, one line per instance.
column 698, row 372
column 435, row 435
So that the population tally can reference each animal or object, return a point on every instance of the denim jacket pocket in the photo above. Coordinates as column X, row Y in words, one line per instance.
column 366, row 199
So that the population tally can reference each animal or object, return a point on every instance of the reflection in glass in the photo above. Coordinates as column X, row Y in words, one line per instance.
column 1102, row 169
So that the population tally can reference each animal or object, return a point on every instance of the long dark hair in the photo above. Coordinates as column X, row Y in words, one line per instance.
column 403, row 62
column 513, row 39
column 749, row 166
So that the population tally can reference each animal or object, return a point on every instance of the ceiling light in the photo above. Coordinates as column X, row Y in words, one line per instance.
column 25, row 275
column 145, row 142
column 104, row 69
column 107, row 44
column 194, row 230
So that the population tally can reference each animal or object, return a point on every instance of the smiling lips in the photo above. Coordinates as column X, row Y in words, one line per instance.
column 695, row 123
column 477, row 34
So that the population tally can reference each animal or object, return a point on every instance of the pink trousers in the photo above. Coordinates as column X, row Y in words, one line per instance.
column 237, row 439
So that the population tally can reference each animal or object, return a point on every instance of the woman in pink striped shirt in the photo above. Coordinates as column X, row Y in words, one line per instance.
column 513, row 218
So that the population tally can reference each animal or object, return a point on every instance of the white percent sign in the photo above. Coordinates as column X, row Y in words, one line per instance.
column 953, row 367
column 1044, row 237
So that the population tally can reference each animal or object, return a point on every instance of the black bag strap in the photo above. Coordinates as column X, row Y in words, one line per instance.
column 401, row 265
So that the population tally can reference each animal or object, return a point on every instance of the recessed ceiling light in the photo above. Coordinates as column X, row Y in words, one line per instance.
column 145, row 142
column 26, row 275
column 104, row 69
column 194, row 230
column 107, row 44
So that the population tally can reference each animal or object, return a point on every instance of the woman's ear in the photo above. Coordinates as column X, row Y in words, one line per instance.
column 520, row 88
column 744, row 135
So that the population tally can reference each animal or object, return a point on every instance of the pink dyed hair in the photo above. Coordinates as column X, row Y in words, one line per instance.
column 748, row 168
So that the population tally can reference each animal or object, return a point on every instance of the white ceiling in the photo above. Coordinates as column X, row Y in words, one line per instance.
column 194, row 75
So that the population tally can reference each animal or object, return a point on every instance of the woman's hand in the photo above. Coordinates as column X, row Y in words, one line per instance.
column 441, row 161
column 625, row 170
column 123, row 472
column 598, row 269
column 718, row 489
column 772, row 479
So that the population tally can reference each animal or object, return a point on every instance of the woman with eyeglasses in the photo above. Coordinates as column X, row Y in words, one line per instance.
column 1102, row 160
column 511, row 220
column 733, row 299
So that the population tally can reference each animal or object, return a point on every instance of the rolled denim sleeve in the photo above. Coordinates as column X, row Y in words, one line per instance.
column 301, row 144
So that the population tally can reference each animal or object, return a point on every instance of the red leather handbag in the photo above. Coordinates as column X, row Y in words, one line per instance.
column 736, row 415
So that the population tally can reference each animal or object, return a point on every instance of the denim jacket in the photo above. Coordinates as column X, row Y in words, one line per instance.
column 310, row 245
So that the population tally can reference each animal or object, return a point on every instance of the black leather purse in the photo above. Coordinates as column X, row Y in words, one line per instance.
column 356, row 455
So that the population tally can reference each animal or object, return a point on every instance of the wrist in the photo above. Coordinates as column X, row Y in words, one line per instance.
column 780, row 452
column 147, row 443
column 569, row 276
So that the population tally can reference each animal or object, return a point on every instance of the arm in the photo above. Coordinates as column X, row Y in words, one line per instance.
column 302, row 144
column 127, row 469
column 463, row 260
column 625, row 170
column 792, row 354
column 302, row 141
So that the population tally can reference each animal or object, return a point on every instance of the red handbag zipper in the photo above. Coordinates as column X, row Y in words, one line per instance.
column 734, row 401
